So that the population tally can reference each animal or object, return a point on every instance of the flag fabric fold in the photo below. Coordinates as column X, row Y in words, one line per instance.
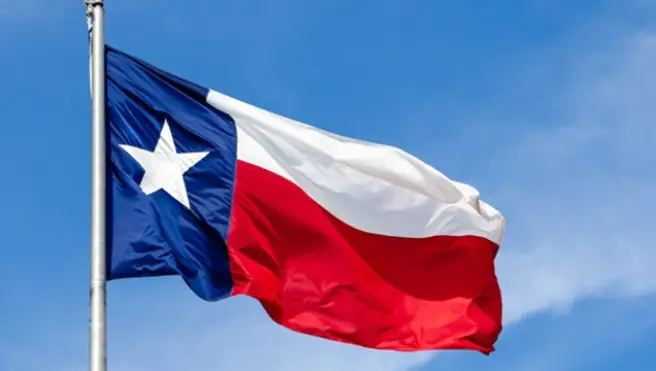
column 339, row 238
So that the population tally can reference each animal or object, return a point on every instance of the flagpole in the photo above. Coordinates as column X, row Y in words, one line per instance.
column 98, row 320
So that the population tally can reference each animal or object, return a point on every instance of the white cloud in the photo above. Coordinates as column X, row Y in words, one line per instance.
column 576, row 185
column 587, row 210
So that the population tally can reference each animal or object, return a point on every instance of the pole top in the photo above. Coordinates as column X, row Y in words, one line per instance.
column 89, row 5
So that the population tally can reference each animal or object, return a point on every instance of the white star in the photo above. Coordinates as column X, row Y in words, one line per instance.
column 164, row 166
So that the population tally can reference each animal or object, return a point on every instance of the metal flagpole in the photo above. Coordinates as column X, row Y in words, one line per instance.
column 98, row 320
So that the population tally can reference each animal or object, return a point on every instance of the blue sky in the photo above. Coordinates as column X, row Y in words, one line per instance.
column 548, row 107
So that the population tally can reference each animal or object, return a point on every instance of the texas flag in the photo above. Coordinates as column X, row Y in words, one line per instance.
column 336, row 237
